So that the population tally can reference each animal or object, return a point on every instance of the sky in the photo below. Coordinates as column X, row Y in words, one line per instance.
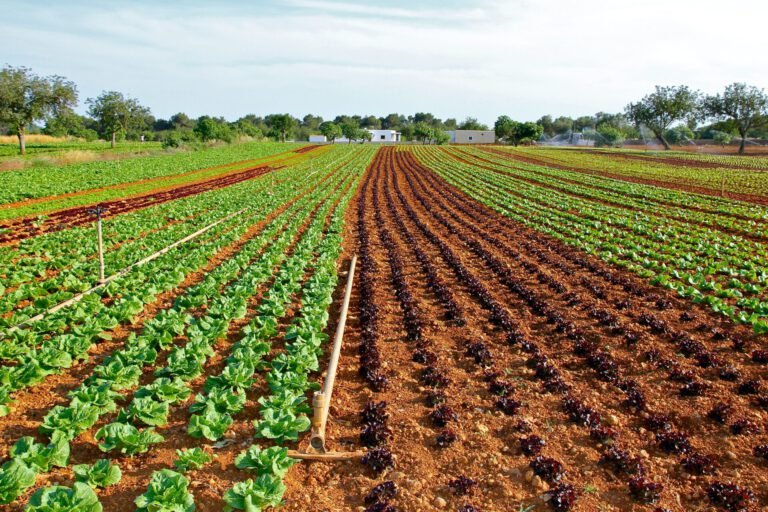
column 478, row 58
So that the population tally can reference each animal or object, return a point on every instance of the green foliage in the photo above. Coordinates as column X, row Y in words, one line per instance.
column 350, row 129
column 255, row 495
column 117, row 373
column 280, row 125
column 209, row 423
column 272, row 460
column 103, row 473
column 679, row 134
column 470, row 123
column 745, row 105
column 722, row 138
column 331, row 130
column 167, row 492
column 165, row 390
column 147, row 410
column 422, row 131
column 209, row 128
column 190, row 459
column 99, row 396
column 39, row 457
column 281, row 425
column 71, row 421
column 26, row 98
column 126, row 438
column 78, row 498
column 609, row 136
column 116, row 113
column 516, row 132
column 220, row 399
column 15, row 478
column 663, row 107
column 236, row 376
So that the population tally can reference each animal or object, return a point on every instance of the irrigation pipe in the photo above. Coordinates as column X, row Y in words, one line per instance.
column 79, row 297
column 321, row 402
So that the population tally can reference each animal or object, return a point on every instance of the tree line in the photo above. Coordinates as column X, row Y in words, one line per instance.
column 671, row 115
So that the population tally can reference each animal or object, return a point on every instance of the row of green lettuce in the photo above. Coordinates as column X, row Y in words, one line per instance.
column 48, row 181
column 55, row 343
column 718, row 270
column 151, row 403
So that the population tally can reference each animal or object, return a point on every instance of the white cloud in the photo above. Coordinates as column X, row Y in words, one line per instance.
column 479, row 58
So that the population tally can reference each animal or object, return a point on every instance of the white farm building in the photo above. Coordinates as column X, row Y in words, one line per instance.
column 377, row 136
column 384, row 136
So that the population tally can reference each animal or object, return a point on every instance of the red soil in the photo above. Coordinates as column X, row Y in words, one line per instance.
column 63, row 219
column 514, row 283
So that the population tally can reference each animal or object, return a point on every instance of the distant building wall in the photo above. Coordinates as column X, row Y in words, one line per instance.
column 472, row 136
column 318, row 138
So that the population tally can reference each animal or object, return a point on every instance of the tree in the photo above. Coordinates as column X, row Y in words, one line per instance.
column 26, row 98
column 609, row 136
column 349, row 129
column 547, row 124
column 281, row 125
column 562, row 125
column 517, row 132
column 721, row 138
column 248, row 126
column 424, row 117
column 245, row 128
column 583, row 122
column 663, row 107
column 372, row 122
column 209, row 128
column 181, row 121
column 506, row 129
column 116, row 113
column 70, row 124
column 470, row 123
column 742, row 103
column 679, row 134
column 440, row 136
column 331, row 130
column 363, row 135
column 422, row 131
column 311, row 121
column 392, row 122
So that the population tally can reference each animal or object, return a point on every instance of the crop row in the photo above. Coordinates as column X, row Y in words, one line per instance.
column 677, row 257
column 121, row 370
column 45, row 270
column 743, row 175
column 152, row 402
column 37, row 183
column 601, row 363
column 56, row 342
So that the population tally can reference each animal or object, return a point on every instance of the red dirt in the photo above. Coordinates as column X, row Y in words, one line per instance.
column 305, row 149
column 510, row 262
column 80, row 215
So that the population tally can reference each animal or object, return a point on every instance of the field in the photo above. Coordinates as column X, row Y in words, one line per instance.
column 530, row 329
